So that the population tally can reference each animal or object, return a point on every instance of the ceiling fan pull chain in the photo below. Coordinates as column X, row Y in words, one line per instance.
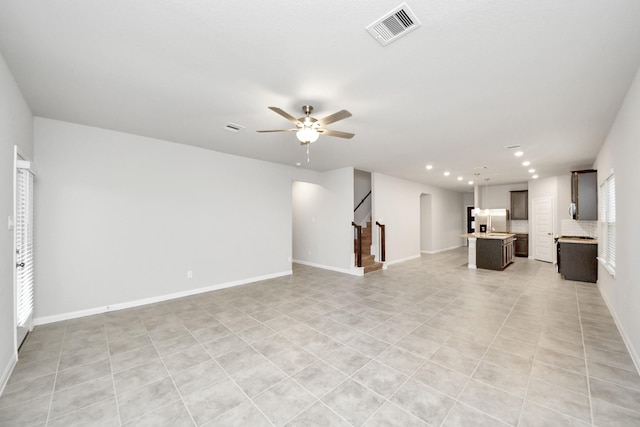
column 308, row 152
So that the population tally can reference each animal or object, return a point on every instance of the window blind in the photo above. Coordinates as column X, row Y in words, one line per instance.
column 608, row 223
column 24, row 246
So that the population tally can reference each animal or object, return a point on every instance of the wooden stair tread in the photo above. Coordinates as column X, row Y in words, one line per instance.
column 368, row 261
column 373, row 267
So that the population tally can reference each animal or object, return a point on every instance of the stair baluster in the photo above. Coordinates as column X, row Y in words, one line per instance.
column 383, row 257
column 358, row 244
column 362, row 243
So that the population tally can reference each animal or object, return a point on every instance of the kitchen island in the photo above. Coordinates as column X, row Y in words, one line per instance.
column 492, row 251
column 577, row 258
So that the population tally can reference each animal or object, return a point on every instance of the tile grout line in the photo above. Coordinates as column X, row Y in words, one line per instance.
column 584, row 351
column 348, row 377
column 153, row 344
column 294, row 295
column 113, row 379
column 546, row 382
column 482, row 358
column 199, row 344
column 230, row 377
column 410, row 377
column 55, row 380
column 291, row 377
column 288, row 376
column 533, row 361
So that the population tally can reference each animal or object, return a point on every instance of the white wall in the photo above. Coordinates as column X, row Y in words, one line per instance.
column 564, row 199
column 16, row 128
column 322, row 216
column 467, row 200
column 498, row 196
column 446, row 217
column 122, row 218
column 396, row 203
column 426, row 219
column 621, row 152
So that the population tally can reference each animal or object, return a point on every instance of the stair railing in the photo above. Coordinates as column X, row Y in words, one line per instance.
column 358, row 243
column 382, row 250
column 362, row 201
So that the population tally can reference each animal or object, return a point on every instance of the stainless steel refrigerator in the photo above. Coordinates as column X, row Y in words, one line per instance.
column 493, row 220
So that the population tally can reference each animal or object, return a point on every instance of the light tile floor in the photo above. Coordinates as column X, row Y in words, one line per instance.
column 425, row 343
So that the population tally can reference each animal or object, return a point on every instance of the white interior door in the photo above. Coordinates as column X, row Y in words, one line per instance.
column 543, row 229
column 24, row 251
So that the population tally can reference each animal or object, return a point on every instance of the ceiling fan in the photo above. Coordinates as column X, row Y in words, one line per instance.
column 308, row 128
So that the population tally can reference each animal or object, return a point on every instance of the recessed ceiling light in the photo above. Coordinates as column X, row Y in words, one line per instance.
column 429, row 167
column 518, row 153
column 470, row 182
column 535, row 177
column 532, row 170
column 446, row 173
column 459, row 178
column 526, row 163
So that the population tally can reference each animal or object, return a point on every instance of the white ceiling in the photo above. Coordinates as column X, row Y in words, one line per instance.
column 477, row 76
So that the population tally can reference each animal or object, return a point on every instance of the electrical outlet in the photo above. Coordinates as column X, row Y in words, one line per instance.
column 189, row 274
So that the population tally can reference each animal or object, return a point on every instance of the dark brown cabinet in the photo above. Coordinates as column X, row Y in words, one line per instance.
column 494, row 254
column 584, row 195
column 578, row 261
column 520, row 204
column 521, row 245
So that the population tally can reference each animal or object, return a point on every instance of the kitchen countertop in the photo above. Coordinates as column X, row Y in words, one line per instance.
column 578, row 240
column 500, row 236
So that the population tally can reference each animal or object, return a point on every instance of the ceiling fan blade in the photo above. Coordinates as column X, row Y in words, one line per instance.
column 337, row 133
column 340, row 115
column 285, row 115
column 277, row 130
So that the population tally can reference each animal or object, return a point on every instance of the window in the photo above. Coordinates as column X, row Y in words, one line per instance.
column 608, row 224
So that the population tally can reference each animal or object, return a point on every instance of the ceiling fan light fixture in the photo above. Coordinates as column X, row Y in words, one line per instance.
column 307, row 135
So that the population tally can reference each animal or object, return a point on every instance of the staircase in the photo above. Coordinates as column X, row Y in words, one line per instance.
column 368, row 261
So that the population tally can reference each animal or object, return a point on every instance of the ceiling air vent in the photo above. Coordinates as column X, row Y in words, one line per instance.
column 233, row 127
column 395, row 24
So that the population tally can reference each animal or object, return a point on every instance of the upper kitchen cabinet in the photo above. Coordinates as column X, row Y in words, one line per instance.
column 584, row 195
column 520, row 204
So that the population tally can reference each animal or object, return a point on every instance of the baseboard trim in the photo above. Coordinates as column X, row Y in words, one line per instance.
column 354, row 271
column 442, row 250
column 627, row 341
column 137, row 303
column 7, row 372
column 398, row 261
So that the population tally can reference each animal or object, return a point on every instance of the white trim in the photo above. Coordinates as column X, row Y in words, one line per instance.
column 603, row 262
column 14, row 211
column 24, row 164
column 442, row 250
column 7, row 372
column 354, row 271
column 99, row 310
column 398, row 261
column 627, row 341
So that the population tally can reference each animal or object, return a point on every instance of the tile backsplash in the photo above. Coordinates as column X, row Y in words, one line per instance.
column 519, row 226
column 570, row 227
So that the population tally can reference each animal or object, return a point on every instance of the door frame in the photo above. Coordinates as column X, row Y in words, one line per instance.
column 18, row 160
